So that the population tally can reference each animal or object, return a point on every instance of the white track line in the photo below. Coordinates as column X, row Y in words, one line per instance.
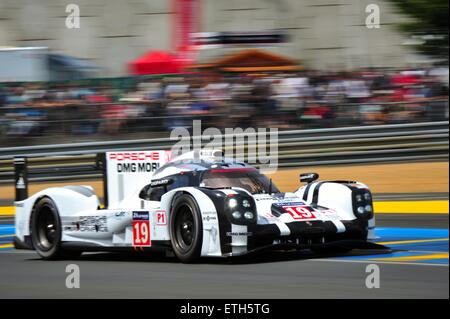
column 367, row 261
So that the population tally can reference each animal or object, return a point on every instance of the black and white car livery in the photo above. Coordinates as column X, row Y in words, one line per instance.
column 199, row 204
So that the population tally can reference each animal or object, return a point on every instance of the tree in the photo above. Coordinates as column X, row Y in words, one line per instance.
column 429, row 26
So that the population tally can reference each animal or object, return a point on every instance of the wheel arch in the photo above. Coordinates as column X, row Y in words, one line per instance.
column 339, row 195
column 68, row 201
column 211, row 232
column 32, row 212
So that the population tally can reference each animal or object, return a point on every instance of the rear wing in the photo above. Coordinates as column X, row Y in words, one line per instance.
column 122, row 173
column 126, row 172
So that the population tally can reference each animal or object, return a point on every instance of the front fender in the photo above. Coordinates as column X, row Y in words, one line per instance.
column 211, row 237
column 339, row 196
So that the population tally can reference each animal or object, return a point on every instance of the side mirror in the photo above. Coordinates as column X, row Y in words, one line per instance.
column 308, row 177
column 143, row 194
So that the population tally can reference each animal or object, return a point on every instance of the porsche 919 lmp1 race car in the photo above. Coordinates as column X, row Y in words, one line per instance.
column 199, row 204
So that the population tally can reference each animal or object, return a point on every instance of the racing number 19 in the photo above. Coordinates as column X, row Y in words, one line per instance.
column 140, row 234
column 141, row 230
column 299, row 212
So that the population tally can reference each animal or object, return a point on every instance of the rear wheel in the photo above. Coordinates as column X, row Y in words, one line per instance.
column 186, row 230
column 46, row 231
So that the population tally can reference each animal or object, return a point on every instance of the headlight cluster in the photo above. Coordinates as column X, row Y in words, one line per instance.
column 247, row 215
column 363, row 203
column 241, row 210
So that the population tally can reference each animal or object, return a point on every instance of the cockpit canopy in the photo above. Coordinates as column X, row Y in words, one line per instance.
column 247, row 178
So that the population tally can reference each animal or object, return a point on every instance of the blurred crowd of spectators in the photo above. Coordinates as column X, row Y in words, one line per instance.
column 287, row 101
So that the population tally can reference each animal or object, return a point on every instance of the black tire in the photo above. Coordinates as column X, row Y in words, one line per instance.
column 186, row 229
column 46, row 231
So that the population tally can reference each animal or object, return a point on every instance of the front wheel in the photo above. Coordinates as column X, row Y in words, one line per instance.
column 46, row 231
column 186, row 229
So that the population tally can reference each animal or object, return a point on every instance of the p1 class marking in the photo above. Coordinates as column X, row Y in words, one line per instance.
column 161, row 217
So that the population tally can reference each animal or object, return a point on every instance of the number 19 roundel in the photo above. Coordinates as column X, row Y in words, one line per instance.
column 299, row 212
column 141, row 229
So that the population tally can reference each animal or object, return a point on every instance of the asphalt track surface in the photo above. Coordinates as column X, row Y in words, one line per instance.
column 415, row 267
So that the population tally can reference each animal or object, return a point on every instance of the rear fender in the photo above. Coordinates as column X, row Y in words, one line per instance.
column 69, row 200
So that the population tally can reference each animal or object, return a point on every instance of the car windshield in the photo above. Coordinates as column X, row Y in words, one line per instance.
column 247, row 178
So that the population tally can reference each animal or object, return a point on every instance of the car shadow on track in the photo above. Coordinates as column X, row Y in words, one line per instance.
column 282, row 256
column 261, row 257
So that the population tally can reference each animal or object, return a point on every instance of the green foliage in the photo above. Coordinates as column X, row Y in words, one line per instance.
column 429, row 25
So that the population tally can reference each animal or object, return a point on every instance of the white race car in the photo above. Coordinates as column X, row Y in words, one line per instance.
column 199, row 204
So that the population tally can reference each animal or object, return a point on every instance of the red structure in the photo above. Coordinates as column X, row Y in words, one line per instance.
column 155, row 62
column 186, row 20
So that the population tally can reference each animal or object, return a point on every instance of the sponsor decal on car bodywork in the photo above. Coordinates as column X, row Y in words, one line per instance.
column 86, row 224
column 239, row 233
column 209, row 216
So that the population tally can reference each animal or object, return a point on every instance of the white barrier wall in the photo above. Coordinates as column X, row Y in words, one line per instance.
column 326, row 34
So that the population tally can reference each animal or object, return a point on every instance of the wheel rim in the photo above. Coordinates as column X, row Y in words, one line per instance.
column 46, row 228
column 184, row 228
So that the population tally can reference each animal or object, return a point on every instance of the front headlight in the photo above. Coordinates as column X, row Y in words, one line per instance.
column 232, row 202
column 236, row 215
column 368, row 208
column 361, row 209
column 367, row 196
column 359, row 198
column 248, row 215
column 246, row 203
